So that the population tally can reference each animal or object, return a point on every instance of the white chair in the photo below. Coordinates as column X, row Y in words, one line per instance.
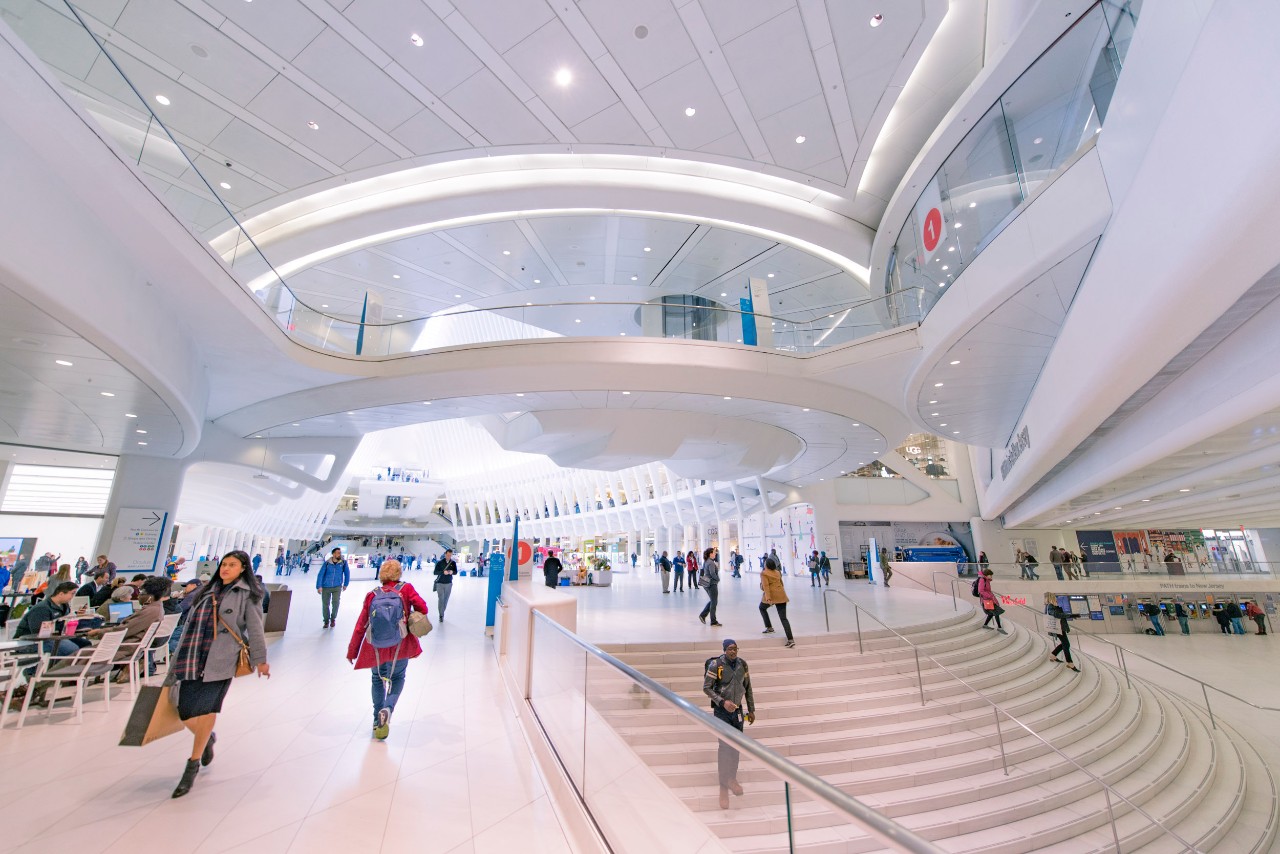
column 77, row 670
column 135, row 664
column 9, row 679
column 160, row 643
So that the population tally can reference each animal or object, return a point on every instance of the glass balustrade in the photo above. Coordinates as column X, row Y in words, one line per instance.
column 1050, row 113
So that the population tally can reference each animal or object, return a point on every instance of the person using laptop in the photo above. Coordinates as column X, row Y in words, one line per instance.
column 97, row 589
column 155, row 589
column 51, row 608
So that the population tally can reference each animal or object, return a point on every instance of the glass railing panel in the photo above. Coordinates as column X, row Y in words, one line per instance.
column 557, row 693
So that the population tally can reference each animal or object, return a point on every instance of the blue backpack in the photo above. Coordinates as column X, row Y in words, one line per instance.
column 386, row 619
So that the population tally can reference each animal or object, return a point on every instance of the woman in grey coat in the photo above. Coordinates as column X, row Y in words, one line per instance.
column 225, row 616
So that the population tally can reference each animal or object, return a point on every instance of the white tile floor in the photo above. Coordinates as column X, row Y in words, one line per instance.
column 296, row 769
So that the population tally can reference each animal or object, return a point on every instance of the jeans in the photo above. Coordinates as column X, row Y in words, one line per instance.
column 1155, row 624
column 443, row 591
column 392, row 671
column 329, row 599
column 815, row 578
column 1237, row 626
column 1057, row 570
column 713, row 595
column 782, row 617
column 727, row 757
column 1186, row 629
column 679, row 582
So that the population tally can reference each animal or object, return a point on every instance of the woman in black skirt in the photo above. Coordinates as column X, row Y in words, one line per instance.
column 225, row 616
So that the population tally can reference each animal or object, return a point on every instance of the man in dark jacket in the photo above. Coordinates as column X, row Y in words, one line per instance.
column 53, row 607
column 727, row 683
column 1234, row 614
column 97, row 588
column 331, row 580
column 551, row 569
column 446, row 569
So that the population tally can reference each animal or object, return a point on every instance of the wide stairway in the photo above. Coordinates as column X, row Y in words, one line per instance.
column 855, row 719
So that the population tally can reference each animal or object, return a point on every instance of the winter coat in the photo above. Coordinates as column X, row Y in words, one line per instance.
column 985, row 591
column 365, row 655
column 239, row 611
column 771, row 584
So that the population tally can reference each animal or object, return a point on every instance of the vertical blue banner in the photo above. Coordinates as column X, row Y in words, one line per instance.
column 873, row 560
column 515, row 550
column 497, row 562
column 748, row 322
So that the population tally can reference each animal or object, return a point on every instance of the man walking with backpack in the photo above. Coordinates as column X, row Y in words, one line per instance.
column 727, row 682
column 383, row 643
column 331, row 580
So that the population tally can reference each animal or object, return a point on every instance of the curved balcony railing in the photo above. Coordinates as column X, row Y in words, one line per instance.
column 1050, row 113
column 798, row 334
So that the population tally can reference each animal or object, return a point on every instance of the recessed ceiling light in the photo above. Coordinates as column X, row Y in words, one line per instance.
column 349, row 412
column 942, row 284
column 943, row 424
column 426, row 403
column 724, row 295
column 63, row 362
column 1037, row 141
column 506, row 251
column 1119, row 508
column 728, row 398
column 142, row 443
column 635, row 278
column 416, row 39
column 519, row 394
column 130, row 415
column 856, row 424
column 457, row 296
column 564, row 77
column 537, row 281
column 399, row 315
column 937, row 385
column 822, row 478
column 1184, row 490
column 626, row 392
column 324, row 305
column 577, row 320
column 945, row 267
column 528, row 303
column 955, row 432
column 770, row 275
column 162, row 100
column 106, row 394
column 648, row 249
column 395, row 275
column 689, row 111
column 876, row 20
column 224, row 185
column 141, row 432
column 593, row 299
column 950, row 249
column 313, row 125
column 933, row 414
column 804, row 410
column 799, row 140
column 955, row 361
column 958, row 224
column 933, row 401
column 623, row 334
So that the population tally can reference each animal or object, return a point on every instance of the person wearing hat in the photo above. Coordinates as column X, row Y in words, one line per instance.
column 727, row 683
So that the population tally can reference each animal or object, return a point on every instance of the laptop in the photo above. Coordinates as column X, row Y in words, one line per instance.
column 79, row 603
column 120, row 610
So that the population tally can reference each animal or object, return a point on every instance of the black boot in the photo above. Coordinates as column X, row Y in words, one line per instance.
column 188, row 778
column 207, row 756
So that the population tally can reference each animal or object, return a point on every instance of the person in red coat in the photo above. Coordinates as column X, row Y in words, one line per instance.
column 387, row 666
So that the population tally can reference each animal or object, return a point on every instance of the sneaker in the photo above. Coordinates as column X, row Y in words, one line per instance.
column 768, row 631
column 790, row 644
column 383, row 727
column 703, row 618
column 986, row 627
column 1002, row 631
column 717, row 624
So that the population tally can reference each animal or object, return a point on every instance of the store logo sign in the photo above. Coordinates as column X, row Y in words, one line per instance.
column 1020, row 443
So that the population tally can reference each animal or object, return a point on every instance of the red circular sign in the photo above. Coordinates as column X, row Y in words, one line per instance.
column 525, row 552
column 932, row 230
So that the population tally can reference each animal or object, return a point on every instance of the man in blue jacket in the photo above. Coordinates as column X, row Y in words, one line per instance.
column 333, row 578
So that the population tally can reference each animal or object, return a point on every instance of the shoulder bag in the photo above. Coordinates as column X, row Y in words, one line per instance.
column 243, row 667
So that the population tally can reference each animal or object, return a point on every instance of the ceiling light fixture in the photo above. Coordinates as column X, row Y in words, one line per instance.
column 770, row 275
column 937, row 385
column 623, row 334
column 426, row 403
column 955, row 361
column 577, row 320
column 519, row 394
column 142, row 443
column 506, row 251
column 945, row 267
column 943, row 424
column 626, row 392
column 724, row 295
column 955, row 432
column 296, row 424
column 457, row 296
column 856, row 424
column 933, row 401
column 564, row 77
column 689, row 111
column 876, row 20
column 593, row 299
column 934, row 414
column 1146, row 500
column 1037, row 141
column 804, row 410
column 130, row 415
column 349, row 412
column 537, row 281
column 324, row 305
column 1184, row 490
column 313, row 125
column 395, row 275
column 63, row 362
column 728, row 398
column 648, row 249
column 224, row 185
column 106, row 394
column 162, row 100
column 800, row 140
column 635, row 278
column 416, row 39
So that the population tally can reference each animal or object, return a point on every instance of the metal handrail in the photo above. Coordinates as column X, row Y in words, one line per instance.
column 997, row 711
column 882, row 827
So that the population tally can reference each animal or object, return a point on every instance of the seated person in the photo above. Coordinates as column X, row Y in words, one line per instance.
column 155, row 589
column 55, row 606
column 97, row 588
column 120, row 593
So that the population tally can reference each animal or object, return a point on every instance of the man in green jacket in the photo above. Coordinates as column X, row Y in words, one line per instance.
column 728, row 683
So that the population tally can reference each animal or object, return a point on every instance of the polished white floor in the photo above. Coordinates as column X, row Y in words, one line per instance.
column 296, row 770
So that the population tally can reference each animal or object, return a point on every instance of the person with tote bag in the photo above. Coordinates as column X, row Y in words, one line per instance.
column 386, row 636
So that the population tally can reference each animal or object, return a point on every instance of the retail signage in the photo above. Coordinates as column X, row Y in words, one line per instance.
column 931, row 225
column 1021, row 441
column 1012, row 600
column 1100, row 546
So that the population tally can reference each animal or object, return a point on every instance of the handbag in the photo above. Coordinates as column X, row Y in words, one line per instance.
column 154, row 716
column 1051, row 624
column 418, row 624
column 243, row 667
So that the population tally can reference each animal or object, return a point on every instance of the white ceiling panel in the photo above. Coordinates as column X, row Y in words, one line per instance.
column 504, row 29
column 374, row 155
column 427, row 133
column 614, row 125
column 731, row 145
column 344, row 71
column 168, row 30
column 497, row 114
column 187, row 113
column 870, row 56
column 732, row 18
column 774, row 65
column 690, row 86
column 245, row 144
column 285, row 26
column 665, row 47
column 441, row 63
column 809, row 119
column 61, row 42
column 538, row 58
column 290, row 107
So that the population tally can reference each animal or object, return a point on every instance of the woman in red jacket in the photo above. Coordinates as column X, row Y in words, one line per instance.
column 387, row 666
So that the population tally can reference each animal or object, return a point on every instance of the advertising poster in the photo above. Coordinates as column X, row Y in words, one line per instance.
column 1134, row 551
column 908, row 534
column 1100, row 546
